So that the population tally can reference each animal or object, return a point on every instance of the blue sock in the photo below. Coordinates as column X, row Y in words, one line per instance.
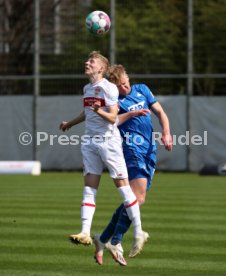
column 121, row 228
column 109, row 230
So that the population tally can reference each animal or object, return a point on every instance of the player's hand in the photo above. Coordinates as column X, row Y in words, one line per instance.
column 64, row 126
column 96, row 105
column 140, row 112
column 167, row 141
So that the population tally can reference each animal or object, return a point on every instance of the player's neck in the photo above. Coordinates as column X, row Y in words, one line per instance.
column 95, row 78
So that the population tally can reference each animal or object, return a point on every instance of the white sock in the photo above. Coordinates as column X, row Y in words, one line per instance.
column 132, row 208
column 88, row 208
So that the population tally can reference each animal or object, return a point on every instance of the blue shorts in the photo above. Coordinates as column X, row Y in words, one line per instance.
column 140, row 165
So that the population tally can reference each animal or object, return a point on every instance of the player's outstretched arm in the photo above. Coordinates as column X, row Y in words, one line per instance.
column 109, row 116
column 67, row 125
column 164, row 122
column 122, row 118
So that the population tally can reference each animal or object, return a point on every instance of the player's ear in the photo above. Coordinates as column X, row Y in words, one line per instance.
column 101, row 70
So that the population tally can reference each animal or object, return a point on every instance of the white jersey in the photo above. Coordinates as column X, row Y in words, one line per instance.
column 107, row 93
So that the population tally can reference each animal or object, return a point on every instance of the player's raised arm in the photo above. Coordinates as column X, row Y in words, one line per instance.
column 164, row 122
column 122, row 118
column 109, row 116
column 67, row 125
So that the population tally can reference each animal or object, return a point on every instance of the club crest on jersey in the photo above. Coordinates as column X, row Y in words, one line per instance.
column 137, row 106
column 97, row 91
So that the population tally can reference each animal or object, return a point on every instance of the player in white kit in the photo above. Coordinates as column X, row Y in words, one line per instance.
column 103, row 148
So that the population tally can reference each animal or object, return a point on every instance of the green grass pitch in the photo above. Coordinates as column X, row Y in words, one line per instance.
column 184, row 213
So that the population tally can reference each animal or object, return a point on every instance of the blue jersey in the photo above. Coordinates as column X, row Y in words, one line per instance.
column 138, row 147
column 140, row 97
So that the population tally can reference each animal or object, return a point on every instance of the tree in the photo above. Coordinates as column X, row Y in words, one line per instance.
column 151, row 37
column 17, row 40
column 209, row 43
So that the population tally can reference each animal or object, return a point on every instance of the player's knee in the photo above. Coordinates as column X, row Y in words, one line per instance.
column 141, row 200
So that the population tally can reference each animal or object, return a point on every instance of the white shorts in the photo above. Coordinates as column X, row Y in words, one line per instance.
column 105, row 152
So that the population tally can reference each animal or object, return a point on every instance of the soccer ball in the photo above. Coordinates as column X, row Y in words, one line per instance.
column 98, row 23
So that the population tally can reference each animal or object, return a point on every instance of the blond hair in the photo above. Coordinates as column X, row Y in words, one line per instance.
column 115, row 73
column 103, row 59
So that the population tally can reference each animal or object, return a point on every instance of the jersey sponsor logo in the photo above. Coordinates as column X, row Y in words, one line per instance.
column 89, row 101
column 137, row 106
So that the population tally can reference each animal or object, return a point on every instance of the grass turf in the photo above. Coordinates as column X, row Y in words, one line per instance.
column 185, row 214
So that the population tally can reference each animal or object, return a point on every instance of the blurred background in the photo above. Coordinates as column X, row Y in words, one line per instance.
column 175, row 47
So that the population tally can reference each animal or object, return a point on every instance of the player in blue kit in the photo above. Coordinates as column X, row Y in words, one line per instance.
column 140, row 155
